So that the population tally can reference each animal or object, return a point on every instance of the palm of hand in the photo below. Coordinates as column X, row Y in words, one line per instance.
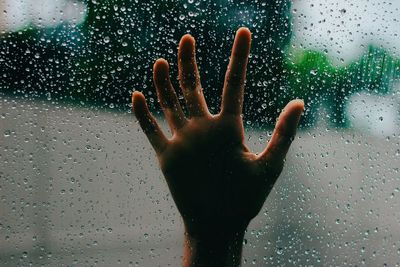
column 213, row 177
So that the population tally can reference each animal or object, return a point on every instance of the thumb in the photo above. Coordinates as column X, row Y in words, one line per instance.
column 284, row 132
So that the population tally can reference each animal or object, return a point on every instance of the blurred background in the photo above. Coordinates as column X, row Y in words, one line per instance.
column 80, row 185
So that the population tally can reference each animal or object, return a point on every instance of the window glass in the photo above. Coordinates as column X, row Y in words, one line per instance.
column 80, row 184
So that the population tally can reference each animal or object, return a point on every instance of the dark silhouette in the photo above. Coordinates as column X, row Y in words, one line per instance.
column 218, row 185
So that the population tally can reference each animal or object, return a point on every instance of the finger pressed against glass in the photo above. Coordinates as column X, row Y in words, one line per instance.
column 285, row 130
column 148, row 123
column 232, row 98
column 167, row 96
column 189, row 77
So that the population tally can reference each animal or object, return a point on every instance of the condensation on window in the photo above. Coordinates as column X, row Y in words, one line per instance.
column 80, row 185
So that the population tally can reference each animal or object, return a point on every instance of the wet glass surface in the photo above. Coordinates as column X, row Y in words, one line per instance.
column 80, row 185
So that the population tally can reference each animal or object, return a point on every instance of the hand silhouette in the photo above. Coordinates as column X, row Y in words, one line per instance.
column 218, row 185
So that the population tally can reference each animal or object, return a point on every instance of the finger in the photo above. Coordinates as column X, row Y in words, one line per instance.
column 189, row 77
column 283, row 134
column 167, row 96
column 148, row 123
column 232, row 98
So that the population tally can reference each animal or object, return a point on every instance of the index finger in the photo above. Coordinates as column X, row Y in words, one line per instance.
column 232, row 97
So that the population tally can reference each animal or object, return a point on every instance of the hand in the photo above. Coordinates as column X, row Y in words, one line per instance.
column 217, row 184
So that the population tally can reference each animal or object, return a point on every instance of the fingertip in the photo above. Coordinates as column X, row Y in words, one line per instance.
column 160, row 65
column 160, row 72
column 187, row 40
column 161, row 60
column 244, row 32
column 186, row 47
column 137, row 96
column 138, row 102
column 242, row 43
column 243, row 29
column 296, row 104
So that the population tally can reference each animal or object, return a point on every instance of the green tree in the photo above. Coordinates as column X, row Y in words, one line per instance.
column 312, row 76
column 125, row 37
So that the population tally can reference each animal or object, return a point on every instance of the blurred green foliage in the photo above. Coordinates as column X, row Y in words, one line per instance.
column 313, row 77
column 102, row 61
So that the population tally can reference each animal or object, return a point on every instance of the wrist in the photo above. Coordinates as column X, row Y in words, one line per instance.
column 214, row 245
